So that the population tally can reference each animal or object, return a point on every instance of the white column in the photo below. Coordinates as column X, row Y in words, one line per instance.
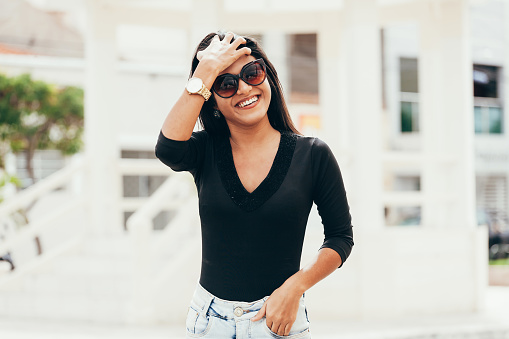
column 205, row 19
column 101, row 148
column 446, row 113
column 361, row 77
column 333, row 86
column 275, row 45
column 360, row 73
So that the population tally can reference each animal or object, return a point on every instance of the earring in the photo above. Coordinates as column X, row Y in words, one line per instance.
column 217, row 114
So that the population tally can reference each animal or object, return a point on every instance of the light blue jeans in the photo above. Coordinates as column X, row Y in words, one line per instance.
column 213, row 318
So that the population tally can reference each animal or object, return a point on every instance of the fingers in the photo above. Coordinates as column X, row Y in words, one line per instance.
column 261, row 313
column 287, row 329
column 275, row 328
column 244, row 50
column 228, row 37
column 227, row 47
column 278, row 329
column 281, row 329
column 237, row 42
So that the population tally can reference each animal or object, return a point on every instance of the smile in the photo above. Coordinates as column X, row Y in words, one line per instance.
column 248, row 102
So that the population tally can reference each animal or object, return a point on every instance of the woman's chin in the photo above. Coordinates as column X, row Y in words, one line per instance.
column 249, row 119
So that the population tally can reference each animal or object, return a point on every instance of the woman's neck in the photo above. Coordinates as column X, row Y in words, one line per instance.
column 244, row 138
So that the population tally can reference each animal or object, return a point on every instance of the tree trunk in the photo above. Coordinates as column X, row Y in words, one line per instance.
column 29, row 157
column 33, row 142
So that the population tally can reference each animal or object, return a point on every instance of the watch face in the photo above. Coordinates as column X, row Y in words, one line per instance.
column 194, row 85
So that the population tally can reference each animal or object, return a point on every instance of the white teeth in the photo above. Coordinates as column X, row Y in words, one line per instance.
column 248, row 102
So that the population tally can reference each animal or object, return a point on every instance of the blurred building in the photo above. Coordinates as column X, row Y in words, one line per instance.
column 488, row 47
column 387, row 84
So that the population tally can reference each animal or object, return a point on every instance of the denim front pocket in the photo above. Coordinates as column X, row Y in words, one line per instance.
column 197, row 325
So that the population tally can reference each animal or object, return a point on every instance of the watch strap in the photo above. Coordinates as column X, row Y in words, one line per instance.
column 204, row 92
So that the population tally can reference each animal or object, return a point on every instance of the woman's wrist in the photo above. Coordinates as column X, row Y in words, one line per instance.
column 207, row 73
column 295, row 284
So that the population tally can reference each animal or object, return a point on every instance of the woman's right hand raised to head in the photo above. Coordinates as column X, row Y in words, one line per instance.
column 220, row 54
column 214, row 59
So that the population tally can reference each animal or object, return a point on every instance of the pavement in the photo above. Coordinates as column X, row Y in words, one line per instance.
column 491, row 323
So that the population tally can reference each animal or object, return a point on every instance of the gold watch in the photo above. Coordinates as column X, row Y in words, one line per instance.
column 196, row 86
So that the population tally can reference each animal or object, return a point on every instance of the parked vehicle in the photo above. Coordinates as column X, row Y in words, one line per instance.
column 498, row 230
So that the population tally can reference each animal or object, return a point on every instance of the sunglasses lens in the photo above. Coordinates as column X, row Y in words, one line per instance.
column 225, row 86
column 254, row 74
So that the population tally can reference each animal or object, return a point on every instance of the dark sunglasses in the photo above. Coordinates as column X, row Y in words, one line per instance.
column 253, row 73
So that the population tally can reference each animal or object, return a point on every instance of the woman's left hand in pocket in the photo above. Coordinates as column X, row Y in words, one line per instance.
column 280, row 310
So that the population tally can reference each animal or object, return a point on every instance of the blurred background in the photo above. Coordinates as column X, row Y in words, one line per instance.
column 98, row 237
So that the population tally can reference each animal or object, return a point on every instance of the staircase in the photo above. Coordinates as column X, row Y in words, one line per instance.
column 128, row 277
column 89, row 281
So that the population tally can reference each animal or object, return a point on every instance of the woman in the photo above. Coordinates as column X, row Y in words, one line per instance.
column 257, row 179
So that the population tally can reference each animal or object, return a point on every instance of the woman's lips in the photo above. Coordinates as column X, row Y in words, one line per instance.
column 251, row 104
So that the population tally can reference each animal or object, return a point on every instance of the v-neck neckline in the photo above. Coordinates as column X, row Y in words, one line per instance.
column 268, row 174
column 250, row 201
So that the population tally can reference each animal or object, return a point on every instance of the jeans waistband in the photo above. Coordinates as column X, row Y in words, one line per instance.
column 206, row 303
column 203, row 299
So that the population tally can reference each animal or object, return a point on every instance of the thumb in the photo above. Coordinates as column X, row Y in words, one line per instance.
column 260, row 313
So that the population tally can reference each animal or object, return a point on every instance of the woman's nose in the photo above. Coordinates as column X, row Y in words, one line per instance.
column 243, row 87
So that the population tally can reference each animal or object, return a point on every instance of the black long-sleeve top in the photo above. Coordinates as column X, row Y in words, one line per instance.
column 252, row 242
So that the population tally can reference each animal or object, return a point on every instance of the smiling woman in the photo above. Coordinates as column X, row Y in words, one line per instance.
column 243, row 99
column 257, row 179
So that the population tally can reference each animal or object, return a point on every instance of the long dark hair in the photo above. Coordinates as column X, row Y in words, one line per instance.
column 279, row 117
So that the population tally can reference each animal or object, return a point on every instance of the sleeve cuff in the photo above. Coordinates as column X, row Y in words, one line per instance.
column 338, row 249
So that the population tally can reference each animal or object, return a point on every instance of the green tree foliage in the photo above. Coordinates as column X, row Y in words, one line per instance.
column 37, row 115
column 7, row 179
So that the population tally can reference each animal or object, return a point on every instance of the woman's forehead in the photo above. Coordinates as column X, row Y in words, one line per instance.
column 237, row 65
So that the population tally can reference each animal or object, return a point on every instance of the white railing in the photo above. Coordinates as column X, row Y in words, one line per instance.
column 175, row 193
column 21, row 201
column 148, row 167
column 32, row 193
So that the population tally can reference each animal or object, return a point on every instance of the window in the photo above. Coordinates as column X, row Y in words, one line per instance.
column 409, row 113
column 488, row 112
column 303, row 68
column 409, row 81
column 136, row 186
column 409, row 100
column 485, row 81
column 401, row 215
column 487, row 120
column 407, row 183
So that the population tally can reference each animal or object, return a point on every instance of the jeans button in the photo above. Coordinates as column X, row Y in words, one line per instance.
column 238, row 311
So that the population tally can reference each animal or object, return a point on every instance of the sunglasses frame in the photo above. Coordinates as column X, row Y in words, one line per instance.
column 240, row 76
